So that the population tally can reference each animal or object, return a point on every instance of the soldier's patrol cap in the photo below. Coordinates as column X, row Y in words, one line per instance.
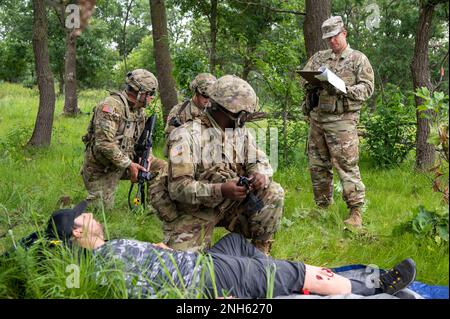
column 332, row 26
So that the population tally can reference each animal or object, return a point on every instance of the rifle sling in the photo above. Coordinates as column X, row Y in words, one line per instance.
column 183, row 106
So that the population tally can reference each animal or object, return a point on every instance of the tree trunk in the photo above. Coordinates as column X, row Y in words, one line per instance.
column 42, row 133
column 70, row 68
column 247, row 68
column 124, row 34
column 162, row 56
column 317, row 11
column 70, row 78
column 425, row 153
column 248, row 62
column 61, row 81
column 213, row 29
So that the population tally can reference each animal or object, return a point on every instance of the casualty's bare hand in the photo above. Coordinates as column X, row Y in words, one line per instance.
column 162, row 245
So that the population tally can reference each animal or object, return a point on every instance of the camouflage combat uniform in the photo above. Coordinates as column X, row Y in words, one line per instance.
column 333, row 138
column 188, row 110
column 196, row 204
column 183, row 112
column 115, row 128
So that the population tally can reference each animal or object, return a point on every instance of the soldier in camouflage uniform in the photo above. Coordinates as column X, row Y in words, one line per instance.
column 199, row 190
column 333, row 138
column 113, row 131
column 190, row 109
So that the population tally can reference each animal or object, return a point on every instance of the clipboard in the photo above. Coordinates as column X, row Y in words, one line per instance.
column 310, row 76
column 317, row 78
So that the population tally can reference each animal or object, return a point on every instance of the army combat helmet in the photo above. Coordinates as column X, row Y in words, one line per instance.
column 234, row 94
column 202, row 83
column 142, row 81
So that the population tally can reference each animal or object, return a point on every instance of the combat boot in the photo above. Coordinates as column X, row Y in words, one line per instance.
column 263, row 245
column 355, row 218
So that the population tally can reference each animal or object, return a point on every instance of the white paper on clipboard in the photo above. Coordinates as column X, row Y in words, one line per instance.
column 327, row 75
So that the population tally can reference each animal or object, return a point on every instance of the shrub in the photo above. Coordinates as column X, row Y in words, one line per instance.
column 435, row 108
column 427, row 224
column 291, row 147
column 390, row 130
column 11, row 145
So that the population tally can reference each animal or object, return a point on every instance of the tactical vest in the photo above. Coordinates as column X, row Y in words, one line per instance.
column 128, row 132
column 168, row 210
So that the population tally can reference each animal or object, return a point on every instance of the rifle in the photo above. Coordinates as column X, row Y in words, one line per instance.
column 253, row 203
column 143, row 150
column 256, row 116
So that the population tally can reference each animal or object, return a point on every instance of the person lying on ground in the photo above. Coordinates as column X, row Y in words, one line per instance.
column 239, row 269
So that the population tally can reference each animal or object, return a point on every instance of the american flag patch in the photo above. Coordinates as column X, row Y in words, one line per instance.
column 177, row 150
column 106, row 109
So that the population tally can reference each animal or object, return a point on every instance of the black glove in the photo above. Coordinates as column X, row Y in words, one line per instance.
column 331, row 90
column 310, row 87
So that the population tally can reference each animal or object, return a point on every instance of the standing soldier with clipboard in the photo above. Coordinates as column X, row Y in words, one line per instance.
column 333, row 116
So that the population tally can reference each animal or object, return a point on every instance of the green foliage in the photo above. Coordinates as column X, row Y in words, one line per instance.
column 140, row 58
column 277, row 86
column 188, row 62
column 15, row 58
column 11, row 145
column 95, row 59
column 292, row 139
column 16, row 52
column 430, row 224
column 113, row 13
column 435, row 108
column 436, row 102
column 390, row 129
column 158, row 135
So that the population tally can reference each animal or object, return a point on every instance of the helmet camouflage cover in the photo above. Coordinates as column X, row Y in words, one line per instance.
column 202, row 83
column 234, row 94
column 142, row 80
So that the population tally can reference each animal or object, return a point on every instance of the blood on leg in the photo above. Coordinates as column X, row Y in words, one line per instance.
column 323, row 281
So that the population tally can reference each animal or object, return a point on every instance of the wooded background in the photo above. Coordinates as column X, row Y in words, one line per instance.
column 261, row 41
column 53, row 71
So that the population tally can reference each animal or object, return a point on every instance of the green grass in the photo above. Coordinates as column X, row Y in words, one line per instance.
column 33, row 180
column 320, row 238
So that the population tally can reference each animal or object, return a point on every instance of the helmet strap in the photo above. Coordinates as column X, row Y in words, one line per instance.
column 138, row 97
column 239, row 120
